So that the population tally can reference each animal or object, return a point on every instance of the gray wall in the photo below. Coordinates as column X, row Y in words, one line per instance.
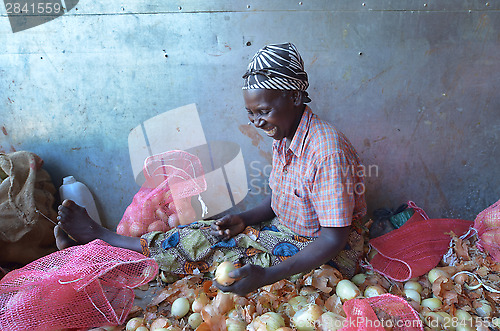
column 413, row 85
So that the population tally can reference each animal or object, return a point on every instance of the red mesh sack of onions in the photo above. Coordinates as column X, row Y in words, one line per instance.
column 164, row 200
column 381, row 312
column 487, row 225
column 79, row 287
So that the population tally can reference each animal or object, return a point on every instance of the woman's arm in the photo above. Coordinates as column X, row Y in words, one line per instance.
column 251, row 277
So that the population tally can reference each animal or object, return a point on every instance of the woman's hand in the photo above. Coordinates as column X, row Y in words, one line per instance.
column 249, row 278
column 227, row 227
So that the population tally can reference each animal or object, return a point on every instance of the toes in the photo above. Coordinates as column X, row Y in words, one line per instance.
column 68, row 203
column 62, row 239
column 66, row 208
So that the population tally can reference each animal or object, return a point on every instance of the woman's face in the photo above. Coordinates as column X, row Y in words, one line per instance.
column 276, row 112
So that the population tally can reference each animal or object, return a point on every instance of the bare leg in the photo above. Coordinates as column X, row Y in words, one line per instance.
column 75, row 222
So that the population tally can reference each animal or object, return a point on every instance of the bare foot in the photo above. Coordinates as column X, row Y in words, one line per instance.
column 75, row 222
column 62, row 239
column 76, row 227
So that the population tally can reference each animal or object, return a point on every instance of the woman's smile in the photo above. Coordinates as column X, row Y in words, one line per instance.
column 271, row 132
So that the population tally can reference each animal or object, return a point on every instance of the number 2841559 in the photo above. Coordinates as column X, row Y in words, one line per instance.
column 45, row 8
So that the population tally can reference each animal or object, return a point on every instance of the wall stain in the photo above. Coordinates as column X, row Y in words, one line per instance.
column 365, row 82
column 251, row 132
column 434, row 180
column 315, row 58
column 410, row 140
column 266, row 155
column 380, row 139
column 4, row 130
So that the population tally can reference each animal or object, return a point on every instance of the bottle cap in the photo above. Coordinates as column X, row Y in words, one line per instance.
column 69, row 180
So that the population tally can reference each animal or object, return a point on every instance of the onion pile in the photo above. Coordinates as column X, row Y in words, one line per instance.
column 460, row 294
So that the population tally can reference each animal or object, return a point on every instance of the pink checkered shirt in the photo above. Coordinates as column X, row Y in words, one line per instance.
column 318, row 181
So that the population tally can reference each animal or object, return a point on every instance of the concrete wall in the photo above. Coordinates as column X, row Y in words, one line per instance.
column 412, row 84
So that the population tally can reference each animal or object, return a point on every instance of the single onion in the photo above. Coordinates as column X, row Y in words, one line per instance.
column 134, row 323
column 159, row 323
column 346, row 290
column 235, row 324
column 436, row 273
column 305, row 319
column 359, row 279
column 412, row 285
column 222, row 273
column 413, row 294
column 463, row 316
column 161, row 215
column 137, row 229
column 142, row 328
column 158, row 226
column 201, row 301
column 434, row 320
column 269, row 321
column 180, row 307
column 172, row 328
column 329, row 321
column 432, row 303
column 464, row 328
column 297, row 303
column 484, row 309
column 194, row 320
column 373, row 291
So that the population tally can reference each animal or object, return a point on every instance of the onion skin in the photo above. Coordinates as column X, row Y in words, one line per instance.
column 330, row 322
column 200, row 302
column 483, row 308
column 159, row 323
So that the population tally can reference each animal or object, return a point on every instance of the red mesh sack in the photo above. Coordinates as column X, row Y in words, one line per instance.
column 416, row 247
column 80, row 287
column 379, row 312
column 487, row 225
column 164, row 200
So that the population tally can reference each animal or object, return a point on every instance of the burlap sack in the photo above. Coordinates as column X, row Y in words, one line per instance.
column 25, row 235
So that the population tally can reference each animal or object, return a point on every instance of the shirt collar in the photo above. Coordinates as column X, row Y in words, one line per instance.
column 297, row 143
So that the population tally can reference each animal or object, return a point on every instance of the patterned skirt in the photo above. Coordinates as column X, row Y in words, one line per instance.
column 191, row 249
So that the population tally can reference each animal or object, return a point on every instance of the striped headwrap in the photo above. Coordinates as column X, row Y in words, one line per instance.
column 277, row 67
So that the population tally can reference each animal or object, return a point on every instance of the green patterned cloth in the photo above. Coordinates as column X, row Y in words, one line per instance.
column 191, row 249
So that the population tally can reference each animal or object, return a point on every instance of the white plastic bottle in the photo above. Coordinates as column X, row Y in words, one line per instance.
column 78, row 192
